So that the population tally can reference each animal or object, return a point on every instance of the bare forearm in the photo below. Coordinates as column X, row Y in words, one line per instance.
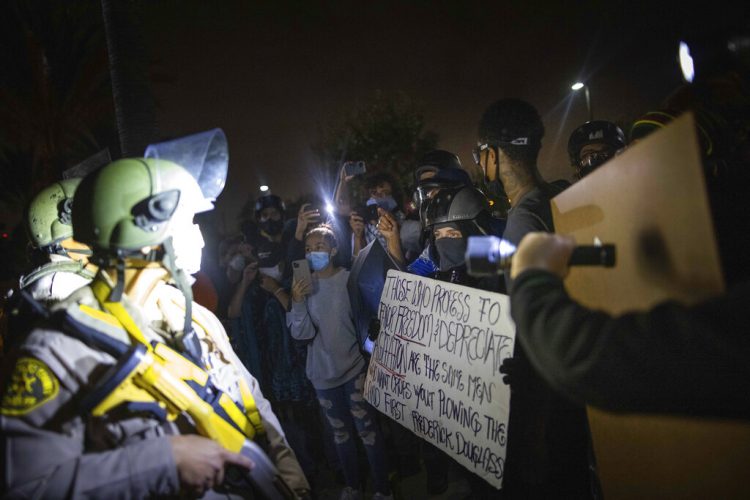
column 341, row 198
column 395, row 251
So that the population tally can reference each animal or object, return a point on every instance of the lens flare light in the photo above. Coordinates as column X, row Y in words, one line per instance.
column 686, row 63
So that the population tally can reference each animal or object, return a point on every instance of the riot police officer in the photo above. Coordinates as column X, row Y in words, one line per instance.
column 48, row 221
column 137, row 216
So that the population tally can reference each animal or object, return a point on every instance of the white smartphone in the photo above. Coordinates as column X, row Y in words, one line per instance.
column 301, row 270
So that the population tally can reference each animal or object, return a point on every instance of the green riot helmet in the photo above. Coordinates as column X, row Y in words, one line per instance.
column 49, row 216
column 132, row 204
column 138, row 209
column 138, row 203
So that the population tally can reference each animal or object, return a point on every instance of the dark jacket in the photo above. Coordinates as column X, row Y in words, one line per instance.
column 671, row 359
column 549, row 443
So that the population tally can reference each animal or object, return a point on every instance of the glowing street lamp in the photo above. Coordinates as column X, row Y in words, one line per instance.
column 580, row 85
column 264, row 189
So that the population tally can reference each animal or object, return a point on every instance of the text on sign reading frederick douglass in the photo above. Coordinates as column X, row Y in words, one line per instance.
column 435, row 368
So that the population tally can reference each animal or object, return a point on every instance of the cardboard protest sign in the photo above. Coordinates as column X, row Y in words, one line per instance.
column 435, row 368
column 650, row 202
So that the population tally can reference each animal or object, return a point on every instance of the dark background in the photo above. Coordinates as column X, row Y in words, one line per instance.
column 271, row 74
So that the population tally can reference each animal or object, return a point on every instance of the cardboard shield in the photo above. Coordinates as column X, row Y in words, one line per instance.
column 651, row 202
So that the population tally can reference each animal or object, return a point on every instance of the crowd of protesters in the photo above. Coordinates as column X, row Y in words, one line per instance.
column 301, row 336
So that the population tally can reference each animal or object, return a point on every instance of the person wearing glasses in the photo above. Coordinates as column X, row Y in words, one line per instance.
column 593, row 144
column 510, row 137
column 549, row 439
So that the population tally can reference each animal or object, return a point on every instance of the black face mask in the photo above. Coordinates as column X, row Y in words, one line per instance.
column 452, row 252
column 272, row 227
column 496, row 189
column 270, row 253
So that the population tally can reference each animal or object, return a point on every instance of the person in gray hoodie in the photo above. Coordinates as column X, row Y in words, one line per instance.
column 321, row 314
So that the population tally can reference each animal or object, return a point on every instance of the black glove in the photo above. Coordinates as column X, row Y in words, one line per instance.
column 506, row 368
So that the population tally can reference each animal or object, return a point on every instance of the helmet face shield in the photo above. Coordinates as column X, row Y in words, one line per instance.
column 188, row 243
column 205, row 157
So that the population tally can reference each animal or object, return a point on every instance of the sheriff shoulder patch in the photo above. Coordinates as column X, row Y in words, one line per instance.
column 31, row 385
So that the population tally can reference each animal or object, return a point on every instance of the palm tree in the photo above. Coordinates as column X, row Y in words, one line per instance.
column 55, row 100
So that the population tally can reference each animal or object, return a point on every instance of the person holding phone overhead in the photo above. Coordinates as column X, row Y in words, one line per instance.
column 321, row 314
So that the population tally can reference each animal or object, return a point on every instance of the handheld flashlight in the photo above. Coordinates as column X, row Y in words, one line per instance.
column 490, row 255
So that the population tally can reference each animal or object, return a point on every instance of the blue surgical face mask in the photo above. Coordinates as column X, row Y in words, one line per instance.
column 318, row 260
column 387, row 203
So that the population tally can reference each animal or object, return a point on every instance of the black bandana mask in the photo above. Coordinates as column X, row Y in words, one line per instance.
column 452, row 252
column 496, row 189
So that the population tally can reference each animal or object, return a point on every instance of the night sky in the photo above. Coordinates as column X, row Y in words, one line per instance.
column 271, row 73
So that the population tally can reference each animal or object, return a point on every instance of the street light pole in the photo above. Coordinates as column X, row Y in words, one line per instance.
column 588, row 102
column 580, row 85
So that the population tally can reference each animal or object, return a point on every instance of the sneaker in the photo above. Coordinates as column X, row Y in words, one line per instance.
column 380, row 496
column 349, row 493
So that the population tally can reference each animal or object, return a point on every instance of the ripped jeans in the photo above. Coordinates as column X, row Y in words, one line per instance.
column 345, row 409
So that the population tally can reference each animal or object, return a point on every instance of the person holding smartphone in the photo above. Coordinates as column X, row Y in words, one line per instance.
column 257, row 326
column 322, row 315
column 380, row 205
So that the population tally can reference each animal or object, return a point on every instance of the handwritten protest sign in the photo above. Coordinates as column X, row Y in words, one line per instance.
column 435, row 368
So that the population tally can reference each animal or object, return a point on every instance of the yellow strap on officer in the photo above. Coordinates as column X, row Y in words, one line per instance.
column 248, row 401
column 101, row 291
column 116, row 309
column 102, row 316
column 251, row 409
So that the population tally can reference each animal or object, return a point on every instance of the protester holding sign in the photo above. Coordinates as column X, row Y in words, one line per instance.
column 322, row 314
column 451, row 216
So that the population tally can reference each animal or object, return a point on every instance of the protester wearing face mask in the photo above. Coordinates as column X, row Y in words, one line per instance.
column 364, row 224
column 258, row 330
column 541, row 423
column 235, row 257
column 321, row 314
column 453, row 215
column 269, row 215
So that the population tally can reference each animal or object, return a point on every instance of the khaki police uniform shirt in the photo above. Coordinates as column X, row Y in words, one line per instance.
column 57, row 285
column 52, row 450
